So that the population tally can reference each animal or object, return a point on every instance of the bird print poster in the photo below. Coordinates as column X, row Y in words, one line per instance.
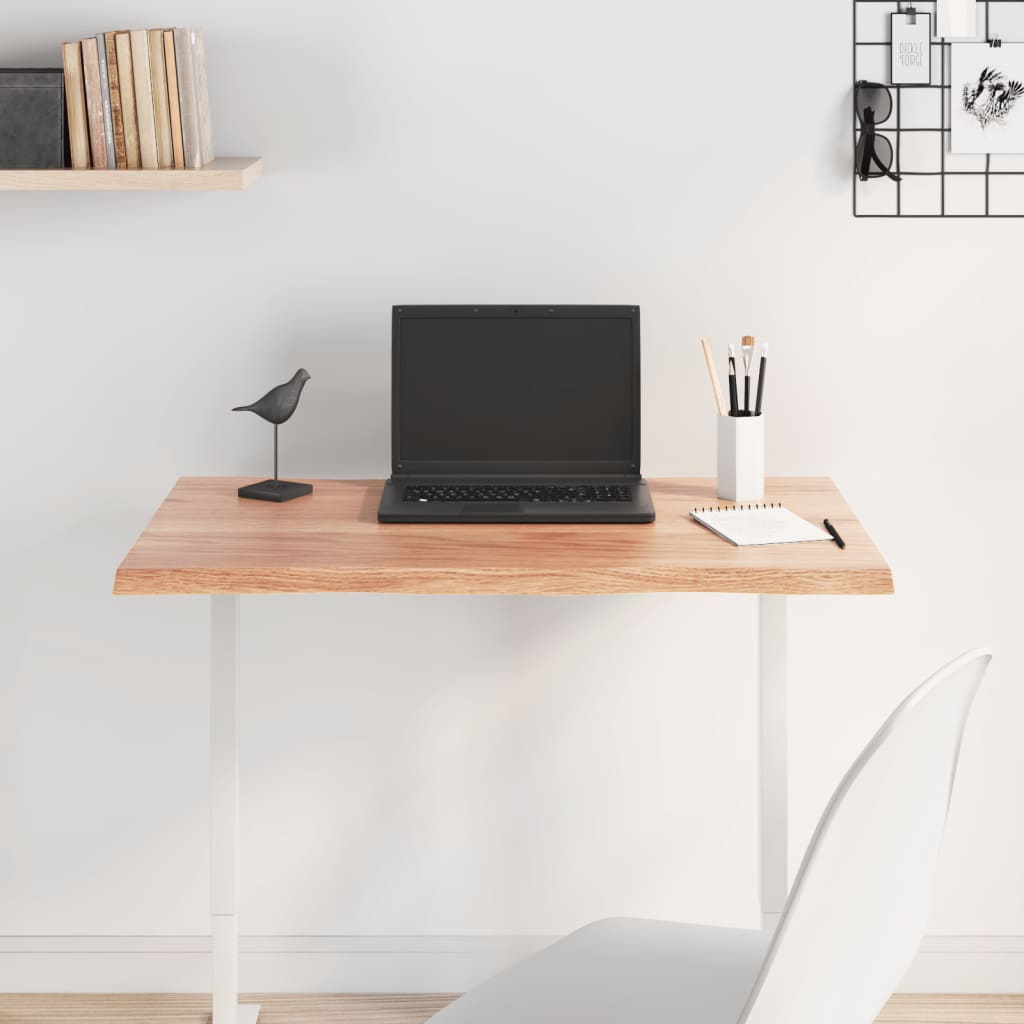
column 987, row 98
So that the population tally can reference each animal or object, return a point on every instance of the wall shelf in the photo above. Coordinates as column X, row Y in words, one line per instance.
column 229, row 173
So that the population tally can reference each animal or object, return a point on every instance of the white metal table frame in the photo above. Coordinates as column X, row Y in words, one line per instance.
column 224, row 691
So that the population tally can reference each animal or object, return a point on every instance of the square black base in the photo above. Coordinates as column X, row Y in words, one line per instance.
column 275, row 490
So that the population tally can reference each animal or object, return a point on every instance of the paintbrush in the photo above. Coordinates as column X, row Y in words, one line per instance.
column 760, row 380
column 748, row 359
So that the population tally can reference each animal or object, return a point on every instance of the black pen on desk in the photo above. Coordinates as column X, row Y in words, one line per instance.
column 760, row 379
column 835, row 534
column 734, row 400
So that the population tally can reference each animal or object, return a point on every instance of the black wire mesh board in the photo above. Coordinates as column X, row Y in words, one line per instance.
column 933, row 181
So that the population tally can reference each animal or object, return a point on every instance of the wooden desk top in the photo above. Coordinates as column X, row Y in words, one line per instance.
column 204, row 539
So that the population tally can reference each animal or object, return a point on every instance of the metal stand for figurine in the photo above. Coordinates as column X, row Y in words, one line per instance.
column 275, row 490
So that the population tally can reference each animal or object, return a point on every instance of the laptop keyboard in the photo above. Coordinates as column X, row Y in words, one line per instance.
column 517, row 492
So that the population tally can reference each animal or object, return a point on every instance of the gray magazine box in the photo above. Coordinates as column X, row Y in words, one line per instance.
column 33, row 120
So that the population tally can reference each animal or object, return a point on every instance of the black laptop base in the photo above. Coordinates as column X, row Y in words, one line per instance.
column 425, row 500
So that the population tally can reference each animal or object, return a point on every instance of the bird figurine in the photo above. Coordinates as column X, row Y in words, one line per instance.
column 278, row 404
column 277, row 407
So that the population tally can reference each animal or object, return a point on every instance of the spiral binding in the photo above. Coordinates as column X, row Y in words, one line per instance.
column 739, row 508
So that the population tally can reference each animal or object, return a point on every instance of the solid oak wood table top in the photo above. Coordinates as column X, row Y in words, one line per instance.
column 204, row 539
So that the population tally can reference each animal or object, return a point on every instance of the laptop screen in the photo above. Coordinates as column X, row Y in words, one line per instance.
column 547, row 389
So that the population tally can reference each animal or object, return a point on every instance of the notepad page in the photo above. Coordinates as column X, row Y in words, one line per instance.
column 759, row 526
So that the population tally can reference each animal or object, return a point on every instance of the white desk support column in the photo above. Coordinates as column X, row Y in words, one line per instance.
column 224, row 811
column 773, row 756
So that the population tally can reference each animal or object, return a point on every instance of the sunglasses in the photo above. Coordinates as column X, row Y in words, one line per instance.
column 874, row 157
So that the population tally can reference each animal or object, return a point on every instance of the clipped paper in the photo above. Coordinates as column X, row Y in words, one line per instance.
column 911, row 49
column 956, row 19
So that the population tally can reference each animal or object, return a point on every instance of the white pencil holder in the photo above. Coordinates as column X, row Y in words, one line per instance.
column 741, row 458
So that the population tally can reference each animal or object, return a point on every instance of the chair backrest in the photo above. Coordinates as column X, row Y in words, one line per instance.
column 859, row 905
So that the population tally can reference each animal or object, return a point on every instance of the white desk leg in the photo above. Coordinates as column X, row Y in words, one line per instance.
column 774, row 817
column 224, row 811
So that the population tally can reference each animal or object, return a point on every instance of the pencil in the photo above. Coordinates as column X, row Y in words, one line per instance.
column 716, row 386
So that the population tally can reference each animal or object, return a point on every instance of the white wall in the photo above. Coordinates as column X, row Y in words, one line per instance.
column 483, row 767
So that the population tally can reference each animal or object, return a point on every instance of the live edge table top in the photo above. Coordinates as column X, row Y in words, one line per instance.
column 204, row 539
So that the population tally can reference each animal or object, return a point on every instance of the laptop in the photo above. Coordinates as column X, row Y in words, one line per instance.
column 515, row 414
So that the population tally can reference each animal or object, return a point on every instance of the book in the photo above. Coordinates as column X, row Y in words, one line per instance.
column 170, row 60
column 94, row 102
column 144, row 98
column 161, row 104
column 108, row 117
column 744, row 525
column 116, row 114
column 126, row 77
column 74, row 90
column 202, row 97
column 187, row 97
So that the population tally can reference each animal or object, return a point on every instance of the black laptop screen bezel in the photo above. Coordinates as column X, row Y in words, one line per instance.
column 455, row 468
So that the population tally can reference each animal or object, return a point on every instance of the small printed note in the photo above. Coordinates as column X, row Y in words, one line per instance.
column 911, row 49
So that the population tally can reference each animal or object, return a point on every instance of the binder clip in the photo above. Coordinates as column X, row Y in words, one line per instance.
column 911, row 13
column 995, row 42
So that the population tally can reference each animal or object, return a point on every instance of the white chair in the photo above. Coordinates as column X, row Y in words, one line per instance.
column 848, row 932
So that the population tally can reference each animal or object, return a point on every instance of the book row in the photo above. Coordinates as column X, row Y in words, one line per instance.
column 138, row 99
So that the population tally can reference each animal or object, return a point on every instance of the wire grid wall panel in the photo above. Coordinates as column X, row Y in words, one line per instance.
column 934, row 182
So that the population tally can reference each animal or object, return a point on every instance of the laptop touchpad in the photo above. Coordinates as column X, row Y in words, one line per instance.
column 491, row 508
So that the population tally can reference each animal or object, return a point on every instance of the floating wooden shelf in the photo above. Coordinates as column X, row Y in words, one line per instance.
column 228, row 173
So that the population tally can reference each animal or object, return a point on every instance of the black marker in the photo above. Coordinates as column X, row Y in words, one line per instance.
column 734, row 400
column 760, row 379
column 835, row 534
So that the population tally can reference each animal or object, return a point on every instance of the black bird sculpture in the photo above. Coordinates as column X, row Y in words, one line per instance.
column 276, row 407
column 278, row 404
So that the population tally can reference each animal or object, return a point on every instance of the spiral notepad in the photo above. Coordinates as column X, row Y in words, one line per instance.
column 757, row 524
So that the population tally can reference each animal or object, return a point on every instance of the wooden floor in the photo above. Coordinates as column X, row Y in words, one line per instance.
column 413, row 1009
